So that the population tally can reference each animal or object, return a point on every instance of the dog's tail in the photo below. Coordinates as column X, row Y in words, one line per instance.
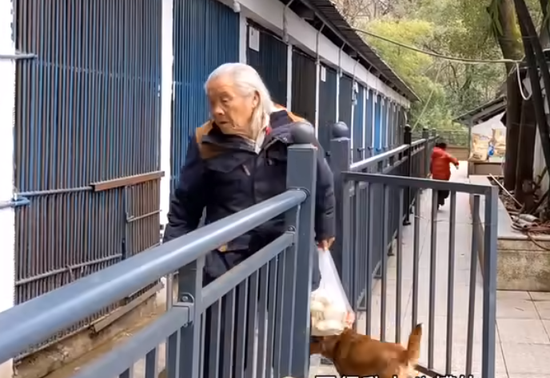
column 412, row 354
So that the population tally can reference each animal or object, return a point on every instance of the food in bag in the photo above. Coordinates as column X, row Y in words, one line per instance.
column 330, row 310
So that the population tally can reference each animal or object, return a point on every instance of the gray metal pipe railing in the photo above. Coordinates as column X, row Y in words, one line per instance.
column 372, row 161
column 36, row 320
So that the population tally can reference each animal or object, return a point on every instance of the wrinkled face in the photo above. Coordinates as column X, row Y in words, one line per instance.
column 231, row 111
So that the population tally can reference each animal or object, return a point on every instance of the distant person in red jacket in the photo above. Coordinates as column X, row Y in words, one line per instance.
column 440, row 168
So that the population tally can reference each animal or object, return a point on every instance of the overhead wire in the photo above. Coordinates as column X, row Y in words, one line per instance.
column 444, row 57
column 428, row 100
column 436, row 55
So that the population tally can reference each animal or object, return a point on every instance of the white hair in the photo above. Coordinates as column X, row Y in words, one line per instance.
column 248, row 82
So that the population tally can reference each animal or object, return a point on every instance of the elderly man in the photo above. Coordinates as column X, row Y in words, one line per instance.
column 238, row 159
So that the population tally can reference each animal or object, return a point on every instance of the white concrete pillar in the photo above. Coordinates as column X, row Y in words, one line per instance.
column 364, row 119
column 167, row 83
column 289, row 77
column 338, row 76
column 374, row 101
column 7, row 214
column 243, row 30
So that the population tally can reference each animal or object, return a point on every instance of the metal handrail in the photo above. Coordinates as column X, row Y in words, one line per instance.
column 360, row 165
column 34, row 321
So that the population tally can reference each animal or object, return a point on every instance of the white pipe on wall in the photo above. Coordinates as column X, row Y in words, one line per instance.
column 7, row 184
column 338, row 76
column 286, row 39
column 374, row 101
column 353, row 105
column 166, row 93
column 243, row 30
column 363, row 121
column 317, row 83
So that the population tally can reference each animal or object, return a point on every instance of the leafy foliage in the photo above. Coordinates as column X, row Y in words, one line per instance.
column 463, row 29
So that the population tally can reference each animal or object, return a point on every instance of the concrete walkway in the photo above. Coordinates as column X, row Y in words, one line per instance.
column 523, row 319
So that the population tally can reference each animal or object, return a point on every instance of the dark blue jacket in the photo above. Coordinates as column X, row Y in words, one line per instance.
column 223, row 174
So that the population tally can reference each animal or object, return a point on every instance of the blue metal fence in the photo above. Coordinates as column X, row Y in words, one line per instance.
column 383, row 124
column 273, row 286
column 345, row 99
column 327, row 105
column 206, row 35
column 374, row 199
column 277, row 278
column 86, row 139
column 270, row 62
column 377, row 124
column 369, row 124
column 358, row 128
column 303, row 85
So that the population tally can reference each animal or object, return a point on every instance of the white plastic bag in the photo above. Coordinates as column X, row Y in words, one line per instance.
column 330, row 309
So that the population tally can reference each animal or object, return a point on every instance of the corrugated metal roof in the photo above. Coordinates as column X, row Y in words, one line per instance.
column 483, row 112
column 336, row 21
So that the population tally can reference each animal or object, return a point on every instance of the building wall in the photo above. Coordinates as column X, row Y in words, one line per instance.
column 269, row 13
column 183, row 73
column 7, row 215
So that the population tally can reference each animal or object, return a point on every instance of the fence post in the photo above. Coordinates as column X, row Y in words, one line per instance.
column 426, row 137
column 434, row 132
column 407, row 139
column 190, row 295
column 301, row 174
column 340, row 160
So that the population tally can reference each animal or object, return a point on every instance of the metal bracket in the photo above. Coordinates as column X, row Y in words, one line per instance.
column 14, row 202
column 186, row 301
column 187, row 298
column 17, row 56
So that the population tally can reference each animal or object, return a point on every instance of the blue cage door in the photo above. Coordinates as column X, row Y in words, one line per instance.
column 384, row 122
column 87, row 140
column 358, row 151
column 369, row 124
column 377, row 125
column 206, row 35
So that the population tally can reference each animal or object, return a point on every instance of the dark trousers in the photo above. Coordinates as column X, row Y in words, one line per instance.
column 442, row 196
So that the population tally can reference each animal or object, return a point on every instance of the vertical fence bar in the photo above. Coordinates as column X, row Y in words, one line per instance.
column 433, row 267
column 369, row 265
column 347, row 258
column 172, row 355
column 489, row 282
column 450, row 287
column 356, row 248
column 190, row 294
column 426, row 163
column 151, row 364
column 472, row 294
column 302, row 175
column 399, row 267
column 407, row 138
column 339, row 162
column 416, row 258
column 384, row 262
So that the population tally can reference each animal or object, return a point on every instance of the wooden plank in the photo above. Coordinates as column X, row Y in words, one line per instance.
column 101, row 186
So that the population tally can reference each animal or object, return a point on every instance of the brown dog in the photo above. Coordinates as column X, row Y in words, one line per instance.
column 358, row 355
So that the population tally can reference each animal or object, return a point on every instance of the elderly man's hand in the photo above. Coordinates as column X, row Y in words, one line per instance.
column 325, row 244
